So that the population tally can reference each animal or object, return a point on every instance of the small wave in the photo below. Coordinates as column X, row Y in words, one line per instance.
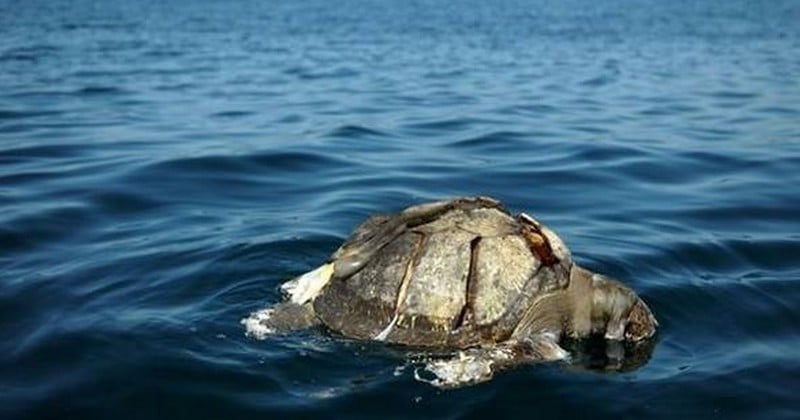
column 777, row 110
column 296, row 160
column 733, row 95
column 306, row 73
column 355, row 131
column 176, row 87
column 598, row 81
column 231, row 114
column 99, row 90
column 444, row 74
column 534, row 109
column 8, row 114
column 28, row 53
column 497, row 140
column 242, row 167
column 163, row 53
column 115, row 203
column 44, row 227
column 443, row 126
column 99, row 73
column 669, row 109
column 721, row 257
column 25, row 177
column 71, row 26
column 43, row 151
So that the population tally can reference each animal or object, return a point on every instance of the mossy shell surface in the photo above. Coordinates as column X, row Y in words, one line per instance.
column 454, row 273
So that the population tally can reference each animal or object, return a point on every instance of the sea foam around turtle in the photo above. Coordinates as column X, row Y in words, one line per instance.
column 256, row 324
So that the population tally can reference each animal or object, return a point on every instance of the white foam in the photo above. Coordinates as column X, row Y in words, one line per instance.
column 255, row 324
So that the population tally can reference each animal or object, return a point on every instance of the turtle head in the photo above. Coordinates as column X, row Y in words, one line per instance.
column 641, row 324
column 619, row 313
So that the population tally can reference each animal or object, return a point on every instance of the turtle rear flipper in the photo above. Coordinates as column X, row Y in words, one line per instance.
column 280, row 318
column 297, row 312
column 307, row 287
column 479, row 364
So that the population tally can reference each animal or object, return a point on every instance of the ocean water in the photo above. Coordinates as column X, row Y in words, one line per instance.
column 165, row 165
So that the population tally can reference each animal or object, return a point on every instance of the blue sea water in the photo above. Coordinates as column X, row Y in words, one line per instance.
column 165, row 165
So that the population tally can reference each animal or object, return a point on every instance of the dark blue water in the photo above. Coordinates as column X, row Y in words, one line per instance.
column 165, row 165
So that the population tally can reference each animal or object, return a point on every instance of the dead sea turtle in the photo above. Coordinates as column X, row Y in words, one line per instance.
column 461, row 274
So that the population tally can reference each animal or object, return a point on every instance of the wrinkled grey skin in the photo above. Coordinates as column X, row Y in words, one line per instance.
column 461, row 274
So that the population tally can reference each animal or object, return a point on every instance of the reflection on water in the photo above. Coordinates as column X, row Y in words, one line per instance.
column 598, row 355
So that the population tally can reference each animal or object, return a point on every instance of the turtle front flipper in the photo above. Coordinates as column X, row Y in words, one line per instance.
column 479, row 364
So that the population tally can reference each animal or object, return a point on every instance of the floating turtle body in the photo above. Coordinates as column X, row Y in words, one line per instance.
column 462, row 274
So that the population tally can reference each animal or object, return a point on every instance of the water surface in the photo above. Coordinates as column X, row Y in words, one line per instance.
column 164, row 166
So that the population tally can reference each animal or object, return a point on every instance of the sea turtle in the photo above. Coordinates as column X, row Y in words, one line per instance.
column 461, row 274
